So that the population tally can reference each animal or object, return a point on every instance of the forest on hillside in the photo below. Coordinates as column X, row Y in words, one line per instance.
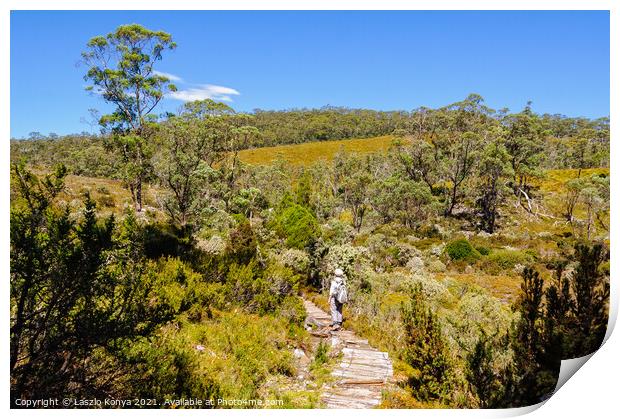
column 89, row 155
column 151, row 262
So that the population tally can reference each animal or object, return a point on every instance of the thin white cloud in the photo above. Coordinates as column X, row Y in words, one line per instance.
column 205, row 91
column 171, row 77
column 190, row 94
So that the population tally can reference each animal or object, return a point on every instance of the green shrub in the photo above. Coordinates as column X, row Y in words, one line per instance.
column 174, row 283
column 243, row 285
column 426, row 350
column 322, row 354
column 168, row 367
column 258, row 291
column 297, row 260
column 436, row 266
column 162, row 239
column 604, row 268
column 336, row 231
column 292, row 309
column 462, row 249
column 505, row 259
column 298, row 225
column 242, row 242
column 484, row 251
column 178, row 289
column 430, row 231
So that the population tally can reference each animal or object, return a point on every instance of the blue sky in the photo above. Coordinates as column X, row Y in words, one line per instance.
column 279, row 60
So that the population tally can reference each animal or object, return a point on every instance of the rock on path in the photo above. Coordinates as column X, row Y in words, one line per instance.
column 362, row 373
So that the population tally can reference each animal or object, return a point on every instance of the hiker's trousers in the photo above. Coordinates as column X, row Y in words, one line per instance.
column 336, row 309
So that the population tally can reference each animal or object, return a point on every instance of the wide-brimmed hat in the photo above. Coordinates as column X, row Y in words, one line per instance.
column 338, row 272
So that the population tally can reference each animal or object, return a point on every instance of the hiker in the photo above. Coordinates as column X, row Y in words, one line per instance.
column 337, row 297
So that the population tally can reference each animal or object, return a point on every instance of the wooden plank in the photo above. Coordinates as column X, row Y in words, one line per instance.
column 378, row 373
column 364, row 367
column 319, row 334
column 358, row 375
column 349, row 400
column 366, row 352
column 352, row 399
column 359, row 392
column 352, row 402
column 382, row 374
column 370, row 363
column 358, row 363
column 360, row 382
column 356, row 396
column 372, row 360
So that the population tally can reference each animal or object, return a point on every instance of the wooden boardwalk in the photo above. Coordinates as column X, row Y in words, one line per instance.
column 362, row 372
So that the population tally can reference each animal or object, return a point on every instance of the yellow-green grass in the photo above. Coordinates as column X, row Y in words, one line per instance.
column 308, row 153
column 503, row 287
column 554, row 180
column 110, row 195
column 549, row 205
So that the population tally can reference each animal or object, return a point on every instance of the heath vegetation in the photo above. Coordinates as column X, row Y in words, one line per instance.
column 166, row 257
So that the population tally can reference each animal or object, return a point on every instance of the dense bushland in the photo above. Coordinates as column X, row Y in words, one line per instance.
column 570, row 142
column 475, row 248
column 222, row 234
column 95, row 313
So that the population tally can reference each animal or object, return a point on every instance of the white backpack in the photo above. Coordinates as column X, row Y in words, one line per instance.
column 341, row 295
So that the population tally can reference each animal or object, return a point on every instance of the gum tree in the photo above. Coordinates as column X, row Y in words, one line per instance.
column 524, row 142
column 190, row 145
column 121, row 70
column 494, row 170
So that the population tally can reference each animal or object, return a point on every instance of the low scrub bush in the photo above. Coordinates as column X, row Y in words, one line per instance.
column 483, row 250
column 462, row 249
column 105, row 200
column 506, row 259
column 165, row 240
column 298, row 225
column 426, row 351
column 260, row 291
column 322, row 354
column 430, row 231
column 242, row 242
column 297, row 260
column 229, row 356
column 351, row 259
column 337, row 232
column 292, row 309
column 436, row 266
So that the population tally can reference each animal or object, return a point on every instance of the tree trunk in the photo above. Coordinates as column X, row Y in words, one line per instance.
column 139, row 195
column 139, row 180
column 528, row 199
column 450, row 208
